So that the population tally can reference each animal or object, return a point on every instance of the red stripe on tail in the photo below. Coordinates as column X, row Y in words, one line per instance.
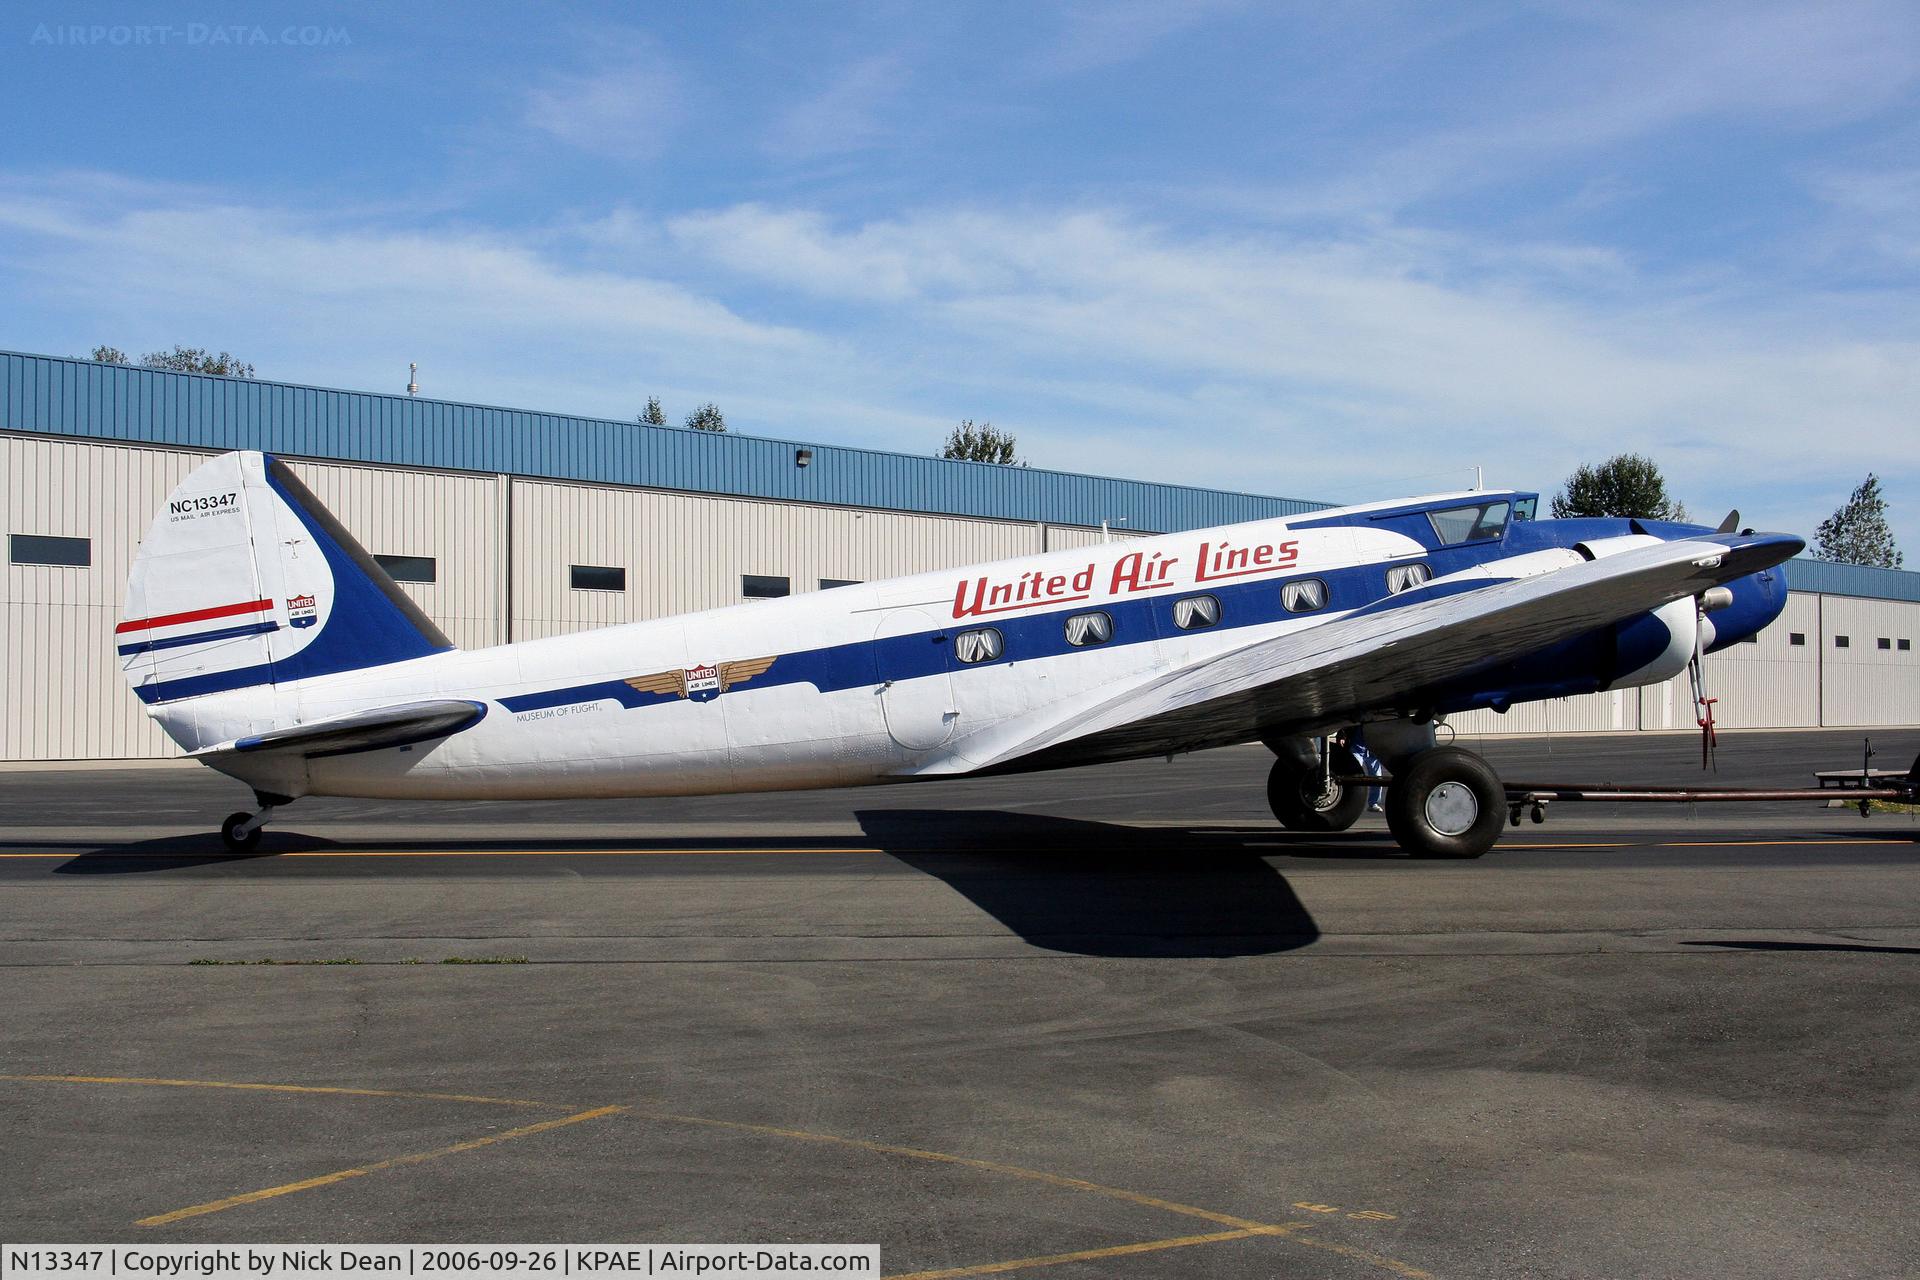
column 192, row 615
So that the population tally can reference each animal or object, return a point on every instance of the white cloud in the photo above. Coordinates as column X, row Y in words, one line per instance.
column 846, row 115
column 1389, row 353
column 1353, row 366
column 626, row 107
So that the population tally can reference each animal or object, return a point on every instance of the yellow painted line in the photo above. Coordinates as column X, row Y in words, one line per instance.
column 1084, row 1255
column 1712, row 844
column 1368, row 1256
column 361, row 1171
column 1240, row 1228
column 986, row 1166
column 290, row 1088
column 679, row 853
column 440, row 853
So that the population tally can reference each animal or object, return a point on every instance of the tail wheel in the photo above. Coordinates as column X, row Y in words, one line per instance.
column 230, row 833
column 1303, row 798
column 1447, row 803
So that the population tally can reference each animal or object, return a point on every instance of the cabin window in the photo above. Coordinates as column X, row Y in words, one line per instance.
column 1405, row 577
column 1196, row 612
column 33, row 548
column 408, row 568
column 1524, row 508
column 1089, row 628
column 1304, row 595
column 983, row 644
column 760, row 586
column 597, row 577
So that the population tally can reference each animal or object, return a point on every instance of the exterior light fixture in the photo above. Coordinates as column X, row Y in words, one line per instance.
column 803, row 457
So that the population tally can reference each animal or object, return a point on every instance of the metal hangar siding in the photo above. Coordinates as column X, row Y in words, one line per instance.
column 70, row 397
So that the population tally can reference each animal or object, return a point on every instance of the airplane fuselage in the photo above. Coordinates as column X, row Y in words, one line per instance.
column 913, row 677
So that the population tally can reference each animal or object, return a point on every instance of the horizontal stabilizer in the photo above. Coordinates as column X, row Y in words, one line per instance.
column 373, row 730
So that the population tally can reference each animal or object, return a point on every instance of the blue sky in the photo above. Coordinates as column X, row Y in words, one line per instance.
column 1342, row 252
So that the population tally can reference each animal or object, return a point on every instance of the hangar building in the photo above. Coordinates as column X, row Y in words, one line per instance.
column 506, row 524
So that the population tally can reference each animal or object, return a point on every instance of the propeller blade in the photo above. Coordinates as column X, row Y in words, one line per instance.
column 1731, row 524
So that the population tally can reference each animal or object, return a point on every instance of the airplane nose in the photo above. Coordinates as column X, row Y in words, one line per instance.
column 1757, row 600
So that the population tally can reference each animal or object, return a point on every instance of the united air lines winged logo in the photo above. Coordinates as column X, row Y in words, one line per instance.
column 704, row 683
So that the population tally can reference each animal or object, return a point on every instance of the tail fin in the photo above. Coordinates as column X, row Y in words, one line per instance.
column 245, row 579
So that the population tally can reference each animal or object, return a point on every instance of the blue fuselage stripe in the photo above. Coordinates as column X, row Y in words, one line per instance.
column 1043, row 635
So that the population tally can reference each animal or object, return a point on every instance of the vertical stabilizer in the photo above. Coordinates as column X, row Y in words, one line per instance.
column 244, row 579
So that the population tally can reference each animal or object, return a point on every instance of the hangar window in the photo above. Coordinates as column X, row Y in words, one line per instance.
column 1796, row 637
column 1196, row 612
column 982, row 644
column 409, row 568
column 828, row 584
column 1841, row 642
column 760, row 586
column 1752, row 639
column 597, row 577
column 33, row 548
column 1305, row 596
column 1885, row 643
column 1089, row 628
column 1906, row 646
column 1405, row 577
column 1481, row 522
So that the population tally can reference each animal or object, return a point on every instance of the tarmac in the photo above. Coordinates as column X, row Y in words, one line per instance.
column 1105, row 1022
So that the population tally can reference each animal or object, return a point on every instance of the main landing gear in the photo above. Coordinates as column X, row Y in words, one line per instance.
column 1441, row 802
column 1306, row 794
column 1446, row 803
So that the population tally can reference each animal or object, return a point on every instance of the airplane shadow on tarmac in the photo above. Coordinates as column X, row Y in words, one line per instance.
column 1091, row 888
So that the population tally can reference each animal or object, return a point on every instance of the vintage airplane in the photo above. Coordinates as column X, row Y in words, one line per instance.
column 271, row 647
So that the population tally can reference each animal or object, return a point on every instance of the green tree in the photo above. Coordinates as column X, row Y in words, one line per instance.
column 707, row 418
column 653, row 415
column 1857, row 533
column 982, row 443
column 181, row 360
column 1627, row 484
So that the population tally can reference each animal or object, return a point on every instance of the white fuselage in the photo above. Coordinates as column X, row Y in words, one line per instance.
column 849, row 698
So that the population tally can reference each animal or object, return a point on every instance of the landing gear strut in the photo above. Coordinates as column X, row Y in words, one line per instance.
column 1446, row 803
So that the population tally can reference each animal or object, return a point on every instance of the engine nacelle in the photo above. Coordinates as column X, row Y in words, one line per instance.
column 1653, row 647
column 1656, row 647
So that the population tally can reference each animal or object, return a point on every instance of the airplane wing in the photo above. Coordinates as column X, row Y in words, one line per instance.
column 1337, row 671
column 362, row 730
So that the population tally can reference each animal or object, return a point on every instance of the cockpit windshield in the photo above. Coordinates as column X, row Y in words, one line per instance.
column 1482, row 522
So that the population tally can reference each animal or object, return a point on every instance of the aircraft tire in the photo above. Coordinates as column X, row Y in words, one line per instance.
column 1294, row 794
column 1446, row 803
column 237, row 843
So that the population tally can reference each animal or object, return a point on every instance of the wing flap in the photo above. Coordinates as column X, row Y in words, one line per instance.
column 369, row 730
column 1339, row 670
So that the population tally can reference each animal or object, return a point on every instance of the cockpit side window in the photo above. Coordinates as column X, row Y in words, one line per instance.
column 1482, row 522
